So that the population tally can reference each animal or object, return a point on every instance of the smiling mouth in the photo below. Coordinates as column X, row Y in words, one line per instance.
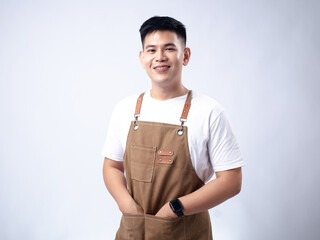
column 161, row 68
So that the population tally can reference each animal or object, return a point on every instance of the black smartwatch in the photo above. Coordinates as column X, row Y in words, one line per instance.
column 176, row 207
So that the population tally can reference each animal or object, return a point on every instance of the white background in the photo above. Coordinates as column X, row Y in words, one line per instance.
column 65, row 64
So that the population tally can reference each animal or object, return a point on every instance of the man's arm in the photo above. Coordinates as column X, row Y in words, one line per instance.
column 113, row 175
column 226, row 185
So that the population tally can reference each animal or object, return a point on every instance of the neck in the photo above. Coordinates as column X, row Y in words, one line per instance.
column 165, row 93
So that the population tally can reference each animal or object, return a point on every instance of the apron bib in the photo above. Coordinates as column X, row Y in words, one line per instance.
column 158, row 169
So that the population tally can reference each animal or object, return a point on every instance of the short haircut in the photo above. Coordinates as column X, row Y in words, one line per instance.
column 157, row 23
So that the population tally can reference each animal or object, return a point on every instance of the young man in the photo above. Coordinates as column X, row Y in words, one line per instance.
column 164, row 145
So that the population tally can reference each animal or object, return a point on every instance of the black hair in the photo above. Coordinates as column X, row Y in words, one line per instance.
column 162, row 23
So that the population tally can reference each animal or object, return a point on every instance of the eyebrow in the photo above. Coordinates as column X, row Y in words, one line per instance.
column 166, row 45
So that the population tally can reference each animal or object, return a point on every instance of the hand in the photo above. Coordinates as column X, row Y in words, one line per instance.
column 131, row 207
column 166, row 212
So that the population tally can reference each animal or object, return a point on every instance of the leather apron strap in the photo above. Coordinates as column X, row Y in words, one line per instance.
column 186, row 107
column 184, row 113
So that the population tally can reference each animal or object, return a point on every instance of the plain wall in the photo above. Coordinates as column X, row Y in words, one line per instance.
column 65, row 64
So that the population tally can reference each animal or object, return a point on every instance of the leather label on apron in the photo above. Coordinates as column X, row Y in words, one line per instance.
column 165, row 152
column 165, row 160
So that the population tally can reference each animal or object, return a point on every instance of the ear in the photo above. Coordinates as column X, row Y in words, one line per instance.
column 141, row 57
column 186, row 56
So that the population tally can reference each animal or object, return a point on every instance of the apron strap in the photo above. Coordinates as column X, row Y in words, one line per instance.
column 186, row 108
column 138, row 106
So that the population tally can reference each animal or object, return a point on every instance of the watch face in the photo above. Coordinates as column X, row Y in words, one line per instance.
column 176, row 205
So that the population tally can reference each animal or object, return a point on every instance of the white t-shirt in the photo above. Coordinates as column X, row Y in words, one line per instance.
column 212, row 144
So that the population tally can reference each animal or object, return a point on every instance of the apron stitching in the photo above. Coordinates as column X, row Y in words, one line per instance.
column 159, row 124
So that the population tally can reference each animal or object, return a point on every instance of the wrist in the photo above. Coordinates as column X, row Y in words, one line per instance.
column 125, row 203
column 176, row 207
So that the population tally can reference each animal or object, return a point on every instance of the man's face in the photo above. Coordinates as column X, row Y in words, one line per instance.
column 163, row 57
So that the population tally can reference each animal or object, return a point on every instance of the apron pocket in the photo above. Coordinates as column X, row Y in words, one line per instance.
column 157, row 228
column 142, row 163
column 198, row 226
column 131, row 227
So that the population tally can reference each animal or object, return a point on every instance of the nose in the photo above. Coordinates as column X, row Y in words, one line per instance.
column 160, row 57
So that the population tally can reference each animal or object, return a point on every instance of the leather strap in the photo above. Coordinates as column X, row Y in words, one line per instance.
column 165, row 160
column 186, row 107
column 185, row 110
column 138, row 105
column 165, row 152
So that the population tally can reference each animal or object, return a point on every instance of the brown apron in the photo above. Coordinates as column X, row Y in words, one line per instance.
column 158, row 169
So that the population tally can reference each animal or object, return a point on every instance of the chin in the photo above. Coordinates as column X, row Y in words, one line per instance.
column 161, row 82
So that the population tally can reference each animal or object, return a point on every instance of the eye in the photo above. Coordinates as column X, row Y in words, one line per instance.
column 170, row 49
column 151, row 50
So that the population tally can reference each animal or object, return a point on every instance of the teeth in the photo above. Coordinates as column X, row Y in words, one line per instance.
column 161, row 67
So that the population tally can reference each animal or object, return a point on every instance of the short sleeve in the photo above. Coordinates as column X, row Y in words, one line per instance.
column 224, row 151
column 113, row 148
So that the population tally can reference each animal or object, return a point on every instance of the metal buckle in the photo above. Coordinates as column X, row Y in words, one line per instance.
column 182, row 120
column 180, row 131
column 135, row 125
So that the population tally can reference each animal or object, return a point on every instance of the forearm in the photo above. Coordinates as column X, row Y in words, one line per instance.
column 116, row 184
column 225, row 186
